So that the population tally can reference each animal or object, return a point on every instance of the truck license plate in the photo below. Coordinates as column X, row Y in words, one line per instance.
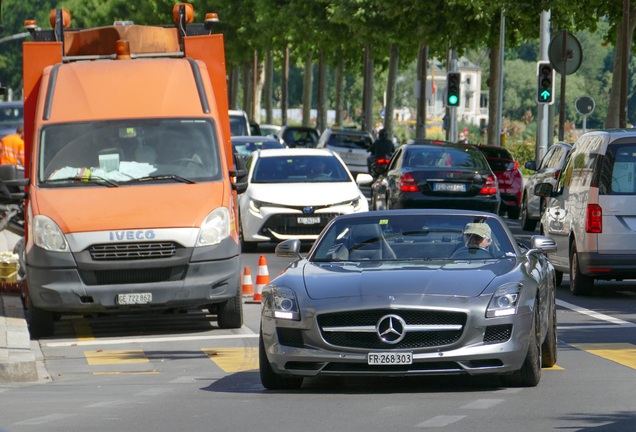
column 128, row 299
column 308, row 220
column 389, row 358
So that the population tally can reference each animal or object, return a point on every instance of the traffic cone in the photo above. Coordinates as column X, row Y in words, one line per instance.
column 262, row 278
column 246, row 286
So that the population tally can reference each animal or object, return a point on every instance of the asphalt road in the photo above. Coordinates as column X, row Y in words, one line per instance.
column 181, row 372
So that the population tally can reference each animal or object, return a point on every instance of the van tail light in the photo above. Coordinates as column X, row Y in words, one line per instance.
column 407, row 183
column 556, row 174
column 513, row 166
column 594, row 220
column 490, row 187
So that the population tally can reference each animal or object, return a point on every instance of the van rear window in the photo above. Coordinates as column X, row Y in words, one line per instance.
column 618, row 173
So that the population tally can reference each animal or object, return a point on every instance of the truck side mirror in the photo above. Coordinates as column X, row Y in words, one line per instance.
column 240, row 172
column 14, row 181
column 543, row 190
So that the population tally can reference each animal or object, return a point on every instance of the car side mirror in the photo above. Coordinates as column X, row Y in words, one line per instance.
column 531, row 165
column 543, row 190
column 240, row 172
column 542, row 244
column 289, row 249
column 363, row 179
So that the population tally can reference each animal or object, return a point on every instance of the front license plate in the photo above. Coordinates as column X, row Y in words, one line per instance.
column 127, row 299
column 450, row 187
column 308, row 220
column 390, row 358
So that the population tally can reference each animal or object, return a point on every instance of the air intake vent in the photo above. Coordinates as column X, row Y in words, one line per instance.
column 498, row 333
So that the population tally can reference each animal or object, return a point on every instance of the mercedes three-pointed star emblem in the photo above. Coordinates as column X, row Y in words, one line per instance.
column 391, row 329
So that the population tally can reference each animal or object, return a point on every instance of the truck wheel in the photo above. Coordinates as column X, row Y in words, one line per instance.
column 527, row 224
column 580, row 284
column 40, row 322
column 270, row 379
column 230, row 313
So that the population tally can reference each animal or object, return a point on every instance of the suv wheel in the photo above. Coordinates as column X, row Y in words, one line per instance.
column 580, row 284
column 527, row 224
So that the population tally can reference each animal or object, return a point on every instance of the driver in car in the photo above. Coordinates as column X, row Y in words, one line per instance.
column 477, row 235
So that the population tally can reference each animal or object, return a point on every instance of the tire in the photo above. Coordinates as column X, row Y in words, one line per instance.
column 270, row 379
column 41, row 322
column 530, row 373
column 230, row 313
column 514, row 212
column 580, row 284
column 549, row 347
column 527, row 224
column 558, row 278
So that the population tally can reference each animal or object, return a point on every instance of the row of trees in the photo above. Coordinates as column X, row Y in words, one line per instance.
column 352, row 37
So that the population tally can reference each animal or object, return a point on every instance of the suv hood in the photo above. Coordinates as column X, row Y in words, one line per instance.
column 304, row 194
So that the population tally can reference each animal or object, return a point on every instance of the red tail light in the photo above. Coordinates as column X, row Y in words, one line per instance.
column 490, row 187
column 513, row 166
column 407, row 183
column 594, row 220
column 383, row 161
column 556, row 174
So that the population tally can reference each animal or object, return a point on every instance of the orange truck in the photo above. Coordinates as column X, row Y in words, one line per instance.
column 131, row 184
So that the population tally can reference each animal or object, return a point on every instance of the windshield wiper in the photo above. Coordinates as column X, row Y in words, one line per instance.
column 96, row 180
column 165, row 177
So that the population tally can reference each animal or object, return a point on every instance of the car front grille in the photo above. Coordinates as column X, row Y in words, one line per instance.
column 497, row 334
column 133, row 276
column 287, row 224
column 132, row 251
column 413, row 338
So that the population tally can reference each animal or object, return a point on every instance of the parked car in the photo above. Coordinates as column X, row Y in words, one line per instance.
column 549, row 169
column 245, row 145
column 299, row 136
column 11, row 116
column 509, row 178
column 411, row 292
column 267, row 129
column 447, row 176
column 591, row 214
column 239, row 123
column 294, row 193
column 350, row 144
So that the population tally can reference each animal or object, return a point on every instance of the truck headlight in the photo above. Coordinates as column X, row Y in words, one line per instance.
column 215, row 228
column 48, row 236
column 504, row 301
column 281, row 303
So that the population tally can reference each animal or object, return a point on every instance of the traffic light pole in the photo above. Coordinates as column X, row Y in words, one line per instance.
column 563, row 74
column 453, row 110
column 543, row 109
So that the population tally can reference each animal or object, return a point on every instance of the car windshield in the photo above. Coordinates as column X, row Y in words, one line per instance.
column 129, row 150
column 245, row 149
column 238, row 126
column 444, row 157
column 407, row 237
column 349, row 141
column 11, row 115
column 303, row 169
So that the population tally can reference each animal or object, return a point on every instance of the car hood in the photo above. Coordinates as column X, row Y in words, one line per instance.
column 303, row 194
column 444, row 278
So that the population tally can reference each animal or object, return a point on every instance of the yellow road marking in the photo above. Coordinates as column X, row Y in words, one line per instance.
column 102, row 357
column 621, row 353
column 555, row 367
column 82, row 329
column 126, row 373
column 234, row 359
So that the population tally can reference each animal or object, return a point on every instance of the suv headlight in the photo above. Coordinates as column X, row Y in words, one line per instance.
column 215, row 228
column 282, row 304
column 49, row 236
column 504, row 301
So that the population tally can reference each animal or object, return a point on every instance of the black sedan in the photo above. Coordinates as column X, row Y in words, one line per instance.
column 411, row 292
column 445, row 175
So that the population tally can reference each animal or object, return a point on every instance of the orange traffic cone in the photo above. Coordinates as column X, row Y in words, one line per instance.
column 262, row 278
column 246, row 286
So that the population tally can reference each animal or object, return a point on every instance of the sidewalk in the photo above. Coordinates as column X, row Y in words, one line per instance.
column 17, row 361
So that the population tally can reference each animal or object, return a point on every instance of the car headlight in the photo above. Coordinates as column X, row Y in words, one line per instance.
column 281, row 303
column 255, row 206
column 504, row 301
column 49, row 236
column 356, row 204
column 215, row 228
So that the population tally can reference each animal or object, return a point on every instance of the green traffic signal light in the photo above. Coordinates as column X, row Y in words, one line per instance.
column 453, row 80
column 545, row 84
column 452, row 100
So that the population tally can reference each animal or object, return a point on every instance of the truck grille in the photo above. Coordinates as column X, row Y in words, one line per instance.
column 133, row 276
column 287, row 224
column 132, row 251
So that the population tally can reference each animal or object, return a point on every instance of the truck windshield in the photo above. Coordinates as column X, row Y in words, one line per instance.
column 128, row 150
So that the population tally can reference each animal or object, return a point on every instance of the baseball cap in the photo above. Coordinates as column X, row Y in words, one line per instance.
column 480, row 229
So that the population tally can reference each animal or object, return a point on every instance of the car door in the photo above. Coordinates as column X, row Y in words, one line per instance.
column 533, row 201
column 556, row 221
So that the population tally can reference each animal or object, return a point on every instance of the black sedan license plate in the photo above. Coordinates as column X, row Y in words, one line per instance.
column 450, row 187
column 389, row 358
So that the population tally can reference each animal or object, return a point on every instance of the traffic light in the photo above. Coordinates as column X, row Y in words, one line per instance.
column 545, row 83
column 453, row 80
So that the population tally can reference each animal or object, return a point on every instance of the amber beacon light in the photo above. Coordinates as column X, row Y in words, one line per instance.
column 123, row 50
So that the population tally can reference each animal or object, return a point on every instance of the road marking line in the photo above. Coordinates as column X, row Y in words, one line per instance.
column 107, row 404
column 594, row 314
column 594, row 326
column 483, row 404
column 102, row 357
column 45, row 419
column 233, row 360
column 153, row 392
column 127, row 373
column 621, row 353
column 440, row 421
column 123, row 341
column 555, row 367
column 82, row 329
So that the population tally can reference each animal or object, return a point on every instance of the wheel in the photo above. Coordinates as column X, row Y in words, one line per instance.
column 40, row 322
column 549, row 347
column 514, row 212
column 580, row 284
column 527, row 224
column 270, row 379
column 230, row 313
column 530, row 373
column 559, row 278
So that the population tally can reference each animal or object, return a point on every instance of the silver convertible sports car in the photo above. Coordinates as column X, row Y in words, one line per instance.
column 411, row 292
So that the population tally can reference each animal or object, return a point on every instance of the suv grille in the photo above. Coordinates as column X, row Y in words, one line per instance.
column 287, row 224
column 132, row 251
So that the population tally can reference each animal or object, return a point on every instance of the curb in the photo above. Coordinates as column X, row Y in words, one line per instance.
column 17, row 361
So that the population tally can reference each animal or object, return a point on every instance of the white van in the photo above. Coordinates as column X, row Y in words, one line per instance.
column 592, row 213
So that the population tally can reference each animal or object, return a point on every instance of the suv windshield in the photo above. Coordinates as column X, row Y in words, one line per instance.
column 129, row 150
column 349, row 141
column 294, row 169
column 414, row 237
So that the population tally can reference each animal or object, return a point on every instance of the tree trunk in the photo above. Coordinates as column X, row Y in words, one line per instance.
column 283, row 93
column 322, row 93
column 258, row 91
column 611, row 119
column 368, row 103
column 247, row 87
column 267, row 89
column 422, row 71
column 339, row 90
column 394, row 61
column 235, row 80
column 307, row 87
column 493, row 96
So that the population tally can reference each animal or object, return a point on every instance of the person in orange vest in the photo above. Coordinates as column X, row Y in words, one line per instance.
column 12, row 148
